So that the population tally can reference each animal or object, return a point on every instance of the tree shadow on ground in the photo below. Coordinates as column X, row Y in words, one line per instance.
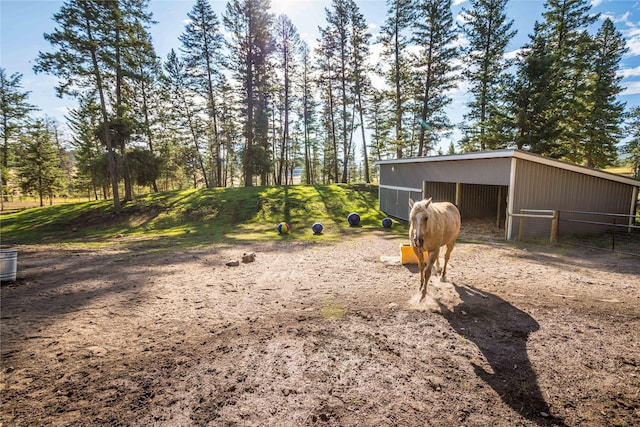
column 500, row 331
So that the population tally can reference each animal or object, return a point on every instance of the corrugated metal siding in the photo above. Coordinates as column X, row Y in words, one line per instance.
column 481, row 171
column 440, row 191
column 476, row 200
column 395, row 203
column 540, row 186
column 479, row 201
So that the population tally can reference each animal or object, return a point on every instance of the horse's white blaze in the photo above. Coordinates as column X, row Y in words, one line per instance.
column 418, row 231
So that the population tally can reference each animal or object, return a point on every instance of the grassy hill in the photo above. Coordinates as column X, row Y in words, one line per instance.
column 200, row 217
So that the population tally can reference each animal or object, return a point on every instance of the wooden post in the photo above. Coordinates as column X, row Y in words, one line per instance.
column 521, row 228
column 499, row 206
column 554, row 227
column 458, row 187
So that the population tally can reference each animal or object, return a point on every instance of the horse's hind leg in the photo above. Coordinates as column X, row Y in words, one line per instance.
column 447, row 255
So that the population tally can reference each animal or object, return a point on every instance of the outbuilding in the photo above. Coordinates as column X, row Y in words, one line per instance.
column 511, row 186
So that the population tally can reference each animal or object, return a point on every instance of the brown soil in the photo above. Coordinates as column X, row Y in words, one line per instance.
column 314, row 334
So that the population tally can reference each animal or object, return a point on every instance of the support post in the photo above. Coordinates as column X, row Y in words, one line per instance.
column 499, row 209
column 554, row 227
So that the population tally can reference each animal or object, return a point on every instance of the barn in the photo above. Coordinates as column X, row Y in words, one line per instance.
column 513, row 187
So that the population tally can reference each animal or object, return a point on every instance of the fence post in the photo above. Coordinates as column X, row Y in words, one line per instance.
column 554, row 227
column 521, row 228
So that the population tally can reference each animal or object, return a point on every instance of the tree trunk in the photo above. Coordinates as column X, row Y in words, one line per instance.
column 105, row 118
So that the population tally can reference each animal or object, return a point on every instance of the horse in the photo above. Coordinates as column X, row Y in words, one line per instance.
column 431, row 226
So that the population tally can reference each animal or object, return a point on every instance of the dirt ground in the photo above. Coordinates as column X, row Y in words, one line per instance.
column 316, row 334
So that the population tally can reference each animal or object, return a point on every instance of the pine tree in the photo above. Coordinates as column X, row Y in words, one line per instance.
column 84, row 60
column 87, row 149
column 308, row 106
column 327, row 70
column 381, row 122
column 604, row 113
column 144, row 98
column 489, row 32
column 536, row 127
column 185, row 113
column 14, row 111
column 250, row 45
column 360, row 38
column 202, row 44
column 39, row 165
column 569, row 46
column 435, row 34
column 632, row 147
column 338, row 30
column 288, row 48
column 395, row 38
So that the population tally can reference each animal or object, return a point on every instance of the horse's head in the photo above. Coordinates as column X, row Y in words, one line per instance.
column 418, row 218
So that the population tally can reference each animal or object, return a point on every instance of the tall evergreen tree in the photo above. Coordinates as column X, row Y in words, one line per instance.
column 338, row 29
column 435, row 34
column 39, row 167
column 360, row 38
column 536, row 126
column 87, row 149
column 288, row 49
column 605, row 114
column 308, row 106
column 250, row 45
column 395, row 38
column 145, row 102
column 565, row 27
column 14, row 111
column 489, row 32
column 381, row 122
column 83, row 60
column 328, row 69
column 185, row 112
column 202, row 44
column 631, row 149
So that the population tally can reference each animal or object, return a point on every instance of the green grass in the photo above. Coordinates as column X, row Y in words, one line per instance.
column 203, row 217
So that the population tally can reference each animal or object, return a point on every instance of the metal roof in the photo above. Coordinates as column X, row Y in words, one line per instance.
column 518, row 154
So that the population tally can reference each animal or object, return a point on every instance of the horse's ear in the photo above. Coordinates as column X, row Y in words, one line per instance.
column 411, row 202
column 427, row 202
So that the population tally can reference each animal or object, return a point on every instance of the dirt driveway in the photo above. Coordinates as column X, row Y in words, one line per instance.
column 313, row 334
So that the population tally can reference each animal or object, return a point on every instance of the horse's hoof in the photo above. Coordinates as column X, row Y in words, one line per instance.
column 443, row 279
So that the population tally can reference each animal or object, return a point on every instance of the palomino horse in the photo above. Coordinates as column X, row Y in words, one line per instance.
column 432, row 225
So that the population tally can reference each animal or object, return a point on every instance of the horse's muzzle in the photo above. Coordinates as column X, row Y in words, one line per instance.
column 418, row 242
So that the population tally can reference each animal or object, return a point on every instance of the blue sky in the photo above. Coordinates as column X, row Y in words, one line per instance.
column 23, row 23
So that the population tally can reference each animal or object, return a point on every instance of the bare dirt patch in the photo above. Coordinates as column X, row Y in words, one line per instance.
column 312, row 334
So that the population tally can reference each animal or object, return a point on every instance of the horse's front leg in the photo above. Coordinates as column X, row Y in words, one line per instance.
column 433, row 255
column 421, row 264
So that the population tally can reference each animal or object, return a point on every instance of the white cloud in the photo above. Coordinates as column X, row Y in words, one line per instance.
column 596, row 3
column 633, row 88
column 630, row 72
column 513, row 54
